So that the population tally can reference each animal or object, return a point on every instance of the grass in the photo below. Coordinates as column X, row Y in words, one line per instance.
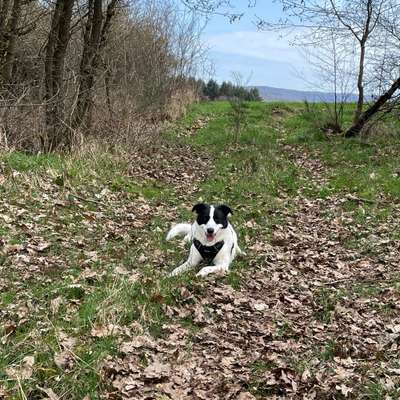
column 366, row 167
column 91, row 211
column 377, row 391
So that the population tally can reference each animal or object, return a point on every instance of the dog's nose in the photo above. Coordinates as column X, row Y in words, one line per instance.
column 210, row 230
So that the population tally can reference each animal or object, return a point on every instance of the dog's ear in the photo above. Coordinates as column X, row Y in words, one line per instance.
column 199, row 208
column 225, row 209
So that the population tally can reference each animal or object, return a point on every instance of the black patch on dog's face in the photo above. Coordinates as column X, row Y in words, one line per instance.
column 221, row 213
column 203, row 213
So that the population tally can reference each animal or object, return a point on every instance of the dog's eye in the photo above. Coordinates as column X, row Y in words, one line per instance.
column 202, row 219
column 219, row 220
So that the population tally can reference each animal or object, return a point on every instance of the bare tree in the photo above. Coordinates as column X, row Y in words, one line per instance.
column 150, row 55
column 56, row 50
column 387, row 71
column 17, row 18
column 331, row 64
column 361, row 27
column 351, row 21
column 96, row 33
column 374, row 109
column 239, row 107
column 360, row 23
column 9, row 36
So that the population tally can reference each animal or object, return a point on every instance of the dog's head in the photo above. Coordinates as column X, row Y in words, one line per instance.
column 211, row 218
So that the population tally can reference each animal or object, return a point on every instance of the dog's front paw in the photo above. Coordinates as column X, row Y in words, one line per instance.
column 209, row 270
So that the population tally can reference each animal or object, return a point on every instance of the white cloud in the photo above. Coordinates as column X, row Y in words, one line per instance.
column 268, row 46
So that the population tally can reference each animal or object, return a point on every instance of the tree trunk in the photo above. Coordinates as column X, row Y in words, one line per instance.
column 56, row 48
column 371, row 111
column 360, row 85
column 12, row 27
column 95, row 39
column 86, row 71
column 4, row 10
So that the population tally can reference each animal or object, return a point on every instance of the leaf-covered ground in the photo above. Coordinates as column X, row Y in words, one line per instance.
column 312, row 311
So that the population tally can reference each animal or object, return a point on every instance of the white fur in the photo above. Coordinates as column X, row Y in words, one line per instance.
column 224, row 257
column 211, row 223
column 179, row 230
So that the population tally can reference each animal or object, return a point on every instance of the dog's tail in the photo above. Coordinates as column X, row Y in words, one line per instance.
column 179, row 230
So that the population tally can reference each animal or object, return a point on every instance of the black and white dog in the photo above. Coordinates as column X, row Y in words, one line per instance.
column 213, row 239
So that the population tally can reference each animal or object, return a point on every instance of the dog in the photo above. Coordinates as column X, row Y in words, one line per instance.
column 213, row 240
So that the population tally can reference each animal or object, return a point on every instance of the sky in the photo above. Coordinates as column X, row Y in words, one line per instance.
column 262, row 58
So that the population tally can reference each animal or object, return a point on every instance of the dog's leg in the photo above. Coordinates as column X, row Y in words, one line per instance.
column 222, row 262
column 182, row 268
column 212, row 269
column 193, row 260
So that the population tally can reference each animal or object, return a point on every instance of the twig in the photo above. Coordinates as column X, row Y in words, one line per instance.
column 23, row 395
column 359, row 199
column 335, row 282
column 88, row 200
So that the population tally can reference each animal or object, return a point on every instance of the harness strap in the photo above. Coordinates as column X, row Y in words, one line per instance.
column 208, row 253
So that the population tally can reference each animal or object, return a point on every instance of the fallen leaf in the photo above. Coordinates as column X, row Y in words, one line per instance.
column 156, row 370
column 102, row 330
column 344, row 389
column 142, row 258
column 50, row 393
column 64, row 360
column 55, row 304
column 260, row 306
column 245, row 396
column 24, row 371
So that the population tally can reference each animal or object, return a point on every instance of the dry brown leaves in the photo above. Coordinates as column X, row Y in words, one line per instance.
column 300, row 327
column 175, row 164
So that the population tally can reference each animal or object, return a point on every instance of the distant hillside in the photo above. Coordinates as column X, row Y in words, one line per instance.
column 277, row 94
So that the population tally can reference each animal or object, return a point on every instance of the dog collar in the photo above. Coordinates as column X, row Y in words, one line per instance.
column 208, row 253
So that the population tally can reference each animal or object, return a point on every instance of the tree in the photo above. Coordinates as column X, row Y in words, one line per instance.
column 56, row 49
column 254, row 95
column 200, row 87
column 387, row 70
column 331, row 65
column 360, row 19
column 371, row 111
column 238, row 103
column 352, row 22
column 96, row 32
column 226, row 89
column 212, row 89
column 8, row 35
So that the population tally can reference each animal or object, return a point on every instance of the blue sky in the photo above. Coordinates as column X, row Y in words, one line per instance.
column 265, row 58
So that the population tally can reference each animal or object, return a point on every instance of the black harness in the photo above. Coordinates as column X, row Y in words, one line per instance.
column 208, row 253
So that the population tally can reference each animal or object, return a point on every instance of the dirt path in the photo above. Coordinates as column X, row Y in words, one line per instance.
column 312, row 319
